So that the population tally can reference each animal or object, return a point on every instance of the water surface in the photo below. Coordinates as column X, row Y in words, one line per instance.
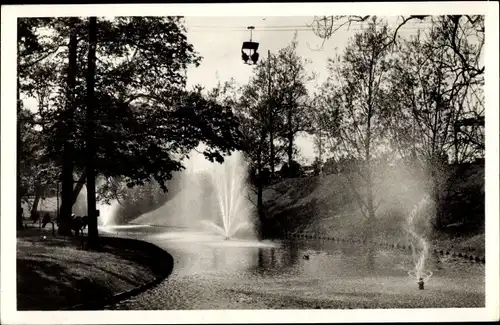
column 213, row 273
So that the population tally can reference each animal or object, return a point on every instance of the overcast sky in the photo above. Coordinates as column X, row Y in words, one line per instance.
column 218, row 40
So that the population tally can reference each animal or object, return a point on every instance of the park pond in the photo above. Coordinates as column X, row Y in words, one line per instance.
column 212, row 273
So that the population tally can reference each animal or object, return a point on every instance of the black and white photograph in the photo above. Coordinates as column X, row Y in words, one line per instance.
column 327, row 162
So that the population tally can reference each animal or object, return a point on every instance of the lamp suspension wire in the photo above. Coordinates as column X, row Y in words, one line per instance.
column 251, row 28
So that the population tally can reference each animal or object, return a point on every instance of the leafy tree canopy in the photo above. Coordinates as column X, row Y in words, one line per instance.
column 146, row 119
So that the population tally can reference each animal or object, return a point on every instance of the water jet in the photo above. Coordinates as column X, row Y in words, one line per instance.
column 231, row 194
column 419, row 245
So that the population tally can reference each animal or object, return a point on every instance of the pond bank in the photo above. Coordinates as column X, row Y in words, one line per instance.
column 55, row 273
column 453, row 248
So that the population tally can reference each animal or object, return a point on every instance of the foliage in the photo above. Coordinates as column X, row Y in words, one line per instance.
column 291, row 170
column 352, row 107
column 275, row 101
column 434, row 95
column 290, row 95
column 426, row 104
column 35, row 169
column 146, row 120
column 317, row 166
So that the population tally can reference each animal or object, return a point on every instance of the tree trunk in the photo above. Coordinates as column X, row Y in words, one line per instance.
column 67, row 168
column 76, row 191
column 79, row 186
column 370, row 257
column 271, row 158
column 436, row 195
column 38, row 194
column 260, row 186
column 290, row 133
column 271, row 118
column 368, row 158
column 93, row 234
column 19, row 208
column 260, row 201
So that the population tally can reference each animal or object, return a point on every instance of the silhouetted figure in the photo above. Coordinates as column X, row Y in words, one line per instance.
column 85, row 220
column 78, row 224
column 46, row 219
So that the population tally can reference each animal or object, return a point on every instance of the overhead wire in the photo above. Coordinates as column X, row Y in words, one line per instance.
column 202, row 28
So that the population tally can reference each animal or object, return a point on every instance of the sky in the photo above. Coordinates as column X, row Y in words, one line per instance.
column 218, row 40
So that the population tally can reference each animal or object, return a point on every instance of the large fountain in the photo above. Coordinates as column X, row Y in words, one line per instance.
column 212, row 203
column 234, row 209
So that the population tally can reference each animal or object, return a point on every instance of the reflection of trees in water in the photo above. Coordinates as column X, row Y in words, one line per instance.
column 292, row 256
column 357, row 259
column 277, row 259
column 370, row 258
column 349, row 250
column 236, row 259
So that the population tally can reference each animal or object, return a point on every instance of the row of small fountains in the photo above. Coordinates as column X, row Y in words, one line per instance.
column 387, row 244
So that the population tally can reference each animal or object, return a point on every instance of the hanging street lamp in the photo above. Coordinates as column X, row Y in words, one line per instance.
column 249, row 53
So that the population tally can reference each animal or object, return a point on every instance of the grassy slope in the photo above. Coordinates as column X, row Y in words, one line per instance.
column 54, row 273
column 324, row 205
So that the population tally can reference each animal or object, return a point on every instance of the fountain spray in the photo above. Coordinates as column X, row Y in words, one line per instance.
column 419, row 246
column 231, row 192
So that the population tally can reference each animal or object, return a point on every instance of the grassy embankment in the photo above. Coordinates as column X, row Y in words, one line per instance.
column 325, row 206
column 55, row 273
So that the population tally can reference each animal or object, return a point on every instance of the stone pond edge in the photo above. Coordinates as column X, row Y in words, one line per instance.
column 160, row 255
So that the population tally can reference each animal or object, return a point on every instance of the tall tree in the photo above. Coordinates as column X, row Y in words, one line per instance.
column 90, row 134
column 262, row 93
column 146, row 121
column 357, row 95
column 433, row 96
column 291, row 95
column 254, row 123
column 68, row 125
column 436, row 93
column 28, row 53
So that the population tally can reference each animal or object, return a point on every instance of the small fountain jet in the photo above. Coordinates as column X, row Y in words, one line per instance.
column 419, row 245
column 421, row 283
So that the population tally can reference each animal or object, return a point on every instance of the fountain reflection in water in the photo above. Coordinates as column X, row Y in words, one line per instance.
column 231, row 191
column 419, row 245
